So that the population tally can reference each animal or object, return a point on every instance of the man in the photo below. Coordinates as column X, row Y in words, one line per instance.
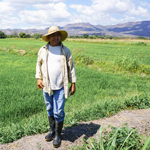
column 54, row 67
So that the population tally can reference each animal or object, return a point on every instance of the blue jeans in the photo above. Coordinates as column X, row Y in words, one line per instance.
column 55, row 104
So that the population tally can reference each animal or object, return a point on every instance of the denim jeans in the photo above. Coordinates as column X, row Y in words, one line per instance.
column 55, row 104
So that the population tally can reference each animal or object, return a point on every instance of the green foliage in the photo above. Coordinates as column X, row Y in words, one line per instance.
column 28, row 36
column 122, row 138
column 108, row 37
column 123, row 63
column 85, row 36
column 141, row 43
column 126, row 138
column 23, row 35
column 81, row 59
column 12, row 36
column 37, row 35
column 131, row 64
column 140, row 102
column 2, row 35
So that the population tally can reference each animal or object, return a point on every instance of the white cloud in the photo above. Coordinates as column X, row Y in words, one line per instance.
column 33, row 1
column 46, row 14
column 112, row 6
column 103, row 11
column 20, row 5
column 140, row 11
column 6, row 15
column 6, row 8
column 9, row 22
column 83, row 9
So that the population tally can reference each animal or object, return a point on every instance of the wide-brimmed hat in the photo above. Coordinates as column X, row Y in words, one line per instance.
column 52, row 30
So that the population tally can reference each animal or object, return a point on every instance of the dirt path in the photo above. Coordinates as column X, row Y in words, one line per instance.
column 139, row 119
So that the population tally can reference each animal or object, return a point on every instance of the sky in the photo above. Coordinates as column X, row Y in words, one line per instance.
column 40, row 14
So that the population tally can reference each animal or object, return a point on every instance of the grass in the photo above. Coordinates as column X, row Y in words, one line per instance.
column 98, row 93
column 122, row 138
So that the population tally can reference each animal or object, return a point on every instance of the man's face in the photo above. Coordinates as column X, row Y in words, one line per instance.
column 55, row 39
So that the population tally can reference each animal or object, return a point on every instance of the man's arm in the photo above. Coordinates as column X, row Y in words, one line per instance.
column 72, row 89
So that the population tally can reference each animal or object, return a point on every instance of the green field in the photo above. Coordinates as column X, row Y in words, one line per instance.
column 110, row 77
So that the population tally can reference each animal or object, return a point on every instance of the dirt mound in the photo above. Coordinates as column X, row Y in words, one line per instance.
column 139, row 119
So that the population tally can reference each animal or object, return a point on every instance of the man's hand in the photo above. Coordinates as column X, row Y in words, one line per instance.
column 72, row 89
column 40, row 84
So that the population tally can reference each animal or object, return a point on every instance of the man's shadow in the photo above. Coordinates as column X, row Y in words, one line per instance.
column 72, row 134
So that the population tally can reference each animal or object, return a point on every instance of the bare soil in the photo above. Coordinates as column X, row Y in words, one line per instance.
column 139, row 119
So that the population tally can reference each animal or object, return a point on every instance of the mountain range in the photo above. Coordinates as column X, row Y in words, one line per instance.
column 139, row 28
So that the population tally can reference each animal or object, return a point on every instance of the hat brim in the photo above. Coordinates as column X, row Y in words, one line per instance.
column 64, row 35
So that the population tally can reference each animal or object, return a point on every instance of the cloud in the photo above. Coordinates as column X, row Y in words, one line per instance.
column 46, row 14
column 140, row 11
column 6, row 8
column 9, row 23
column 33, row 1
column 6, row 15
column 106, row 11
column 20, row 5
column 88, row 10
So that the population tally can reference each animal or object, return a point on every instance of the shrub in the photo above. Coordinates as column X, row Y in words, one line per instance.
column 37, row 35
column 2, row 35
column 22, row 35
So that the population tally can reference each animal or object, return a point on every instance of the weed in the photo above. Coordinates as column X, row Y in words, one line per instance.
column 140, row 102
column 122, row 138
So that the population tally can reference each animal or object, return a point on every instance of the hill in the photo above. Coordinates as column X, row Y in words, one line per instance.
column 139, row 28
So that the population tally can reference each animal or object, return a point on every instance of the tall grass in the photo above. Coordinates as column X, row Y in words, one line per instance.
column 125, row 63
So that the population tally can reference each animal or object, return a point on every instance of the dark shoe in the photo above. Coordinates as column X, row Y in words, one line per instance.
column 57, row 138
column 51, row 135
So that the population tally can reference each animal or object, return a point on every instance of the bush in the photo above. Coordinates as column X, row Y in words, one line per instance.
column 2, row 35
column 37, row 35
column 22, row 35
column 12, row 36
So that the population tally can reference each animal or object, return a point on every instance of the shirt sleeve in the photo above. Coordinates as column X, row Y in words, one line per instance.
column 38, row 66
column 71, row 68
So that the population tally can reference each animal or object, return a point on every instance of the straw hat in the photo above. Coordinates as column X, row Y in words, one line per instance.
column 52, row 30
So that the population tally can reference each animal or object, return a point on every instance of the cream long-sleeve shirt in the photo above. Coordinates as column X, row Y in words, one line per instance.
column 67, row 66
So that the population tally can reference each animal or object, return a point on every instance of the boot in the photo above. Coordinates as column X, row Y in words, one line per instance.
column 57, row 138
column 51, row 135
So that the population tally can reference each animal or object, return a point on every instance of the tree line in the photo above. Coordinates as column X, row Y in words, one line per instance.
column 85, row 36
column 21, row 35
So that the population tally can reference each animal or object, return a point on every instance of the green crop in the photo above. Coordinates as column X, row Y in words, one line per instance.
column 100, row 91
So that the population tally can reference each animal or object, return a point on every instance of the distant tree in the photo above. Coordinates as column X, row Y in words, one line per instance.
column 101, row 36
column 28, row 36
column 109, row 37
column 22, row 35
column 37, row 35
column 85, row 35
column 14, row 35
column 2, row 35
column 91, row 37
column 141, row 37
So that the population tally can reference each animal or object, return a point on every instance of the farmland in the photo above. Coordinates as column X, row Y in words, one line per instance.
column 111, row 76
